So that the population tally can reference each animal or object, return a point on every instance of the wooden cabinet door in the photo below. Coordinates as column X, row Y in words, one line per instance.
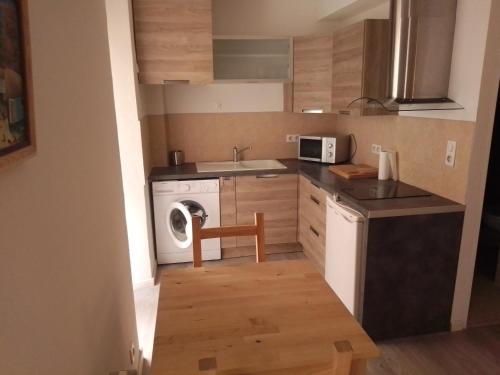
column 347, row 72
column 227, row 194
column 276, row 197
column 173, row 40
column 312, row 73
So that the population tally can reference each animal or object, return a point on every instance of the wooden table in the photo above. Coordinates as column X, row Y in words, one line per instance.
column 278, row 318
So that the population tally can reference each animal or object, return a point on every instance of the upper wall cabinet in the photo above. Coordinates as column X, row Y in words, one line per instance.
column 173, row 40
column 312, row 74
column 330, row 72
column 252, row 59
column 360, row 67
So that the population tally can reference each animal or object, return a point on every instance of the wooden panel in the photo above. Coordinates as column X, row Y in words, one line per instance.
column 347, row 71
column 227, row 207
column 173, row 40
column 376, row 64
column 312, row 73
column 276, row 198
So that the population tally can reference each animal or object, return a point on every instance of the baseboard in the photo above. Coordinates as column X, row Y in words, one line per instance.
column 457, row 325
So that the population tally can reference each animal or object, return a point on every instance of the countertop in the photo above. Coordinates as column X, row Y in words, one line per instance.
column 320, row 176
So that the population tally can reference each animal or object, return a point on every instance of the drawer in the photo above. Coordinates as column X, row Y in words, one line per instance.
column 312, row 239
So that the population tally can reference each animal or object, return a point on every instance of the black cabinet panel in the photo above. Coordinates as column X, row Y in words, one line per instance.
column 411, row 266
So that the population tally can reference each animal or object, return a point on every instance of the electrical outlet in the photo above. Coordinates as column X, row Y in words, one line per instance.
column 131, row 353
column 376, row 149
column 451, row 150
column 292, row 138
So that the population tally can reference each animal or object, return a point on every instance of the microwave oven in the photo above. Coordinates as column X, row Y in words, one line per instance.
column 324, row 148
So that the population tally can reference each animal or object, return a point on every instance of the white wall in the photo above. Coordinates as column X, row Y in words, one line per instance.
column 268, row 17
column 224, row 97
column 343, row 9
column 65, row 286
column 467, row 63
column 478, row 170
column 142, row 258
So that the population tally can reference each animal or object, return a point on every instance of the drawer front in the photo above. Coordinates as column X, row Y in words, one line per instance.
column 276, row 197
column 313, row 242
column 312, row 221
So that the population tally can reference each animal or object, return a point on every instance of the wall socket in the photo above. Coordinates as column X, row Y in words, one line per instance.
column 292, row 138
column 451, row 150
column 376, row 149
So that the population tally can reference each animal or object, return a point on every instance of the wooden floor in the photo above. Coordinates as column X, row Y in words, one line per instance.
column 474, row 351
column 485, row 302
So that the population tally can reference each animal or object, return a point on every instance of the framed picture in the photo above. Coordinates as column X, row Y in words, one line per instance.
column 17, row 128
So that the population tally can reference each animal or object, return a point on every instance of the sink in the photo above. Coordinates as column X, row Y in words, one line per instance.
column 239, row 166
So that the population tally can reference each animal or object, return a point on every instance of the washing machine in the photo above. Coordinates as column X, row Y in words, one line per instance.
column 174, row 204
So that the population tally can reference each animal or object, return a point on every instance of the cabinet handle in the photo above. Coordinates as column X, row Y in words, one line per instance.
column 315, row 200
column 344, row 112
column 313, row 184
column 175, row 81
column 267, row 176
column 314, row 231
column 312, row 110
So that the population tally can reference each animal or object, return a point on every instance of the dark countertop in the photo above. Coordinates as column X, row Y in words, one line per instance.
column 320, row 176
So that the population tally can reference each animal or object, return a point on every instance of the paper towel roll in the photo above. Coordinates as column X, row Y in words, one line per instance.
column 384, row 166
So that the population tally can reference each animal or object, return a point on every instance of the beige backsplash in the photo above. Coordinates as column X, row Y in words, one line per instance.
column 421, row 146
column 421, row 143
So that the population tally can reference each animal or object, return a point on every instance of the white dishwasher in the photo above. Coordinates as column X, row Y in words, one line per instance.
column 344, row 248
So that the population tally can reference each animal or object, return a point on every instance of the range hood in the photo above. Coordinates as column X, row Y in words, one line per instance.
column 422, row 47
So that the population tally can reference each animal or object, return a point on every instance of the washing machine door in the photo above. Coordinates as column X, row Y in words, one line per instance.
column 179, row 222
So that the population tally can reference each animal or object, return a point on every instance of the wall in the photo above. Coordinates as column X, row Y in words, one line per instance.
column 421, row 146
column 135, row 189
column 476, row 181
column 343, row 9
column 267, row 17
column 209, row 137
column 65, row 285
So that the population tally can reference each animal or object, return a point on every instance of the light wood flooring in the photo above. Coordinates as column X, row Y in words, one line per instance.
column 475, row 351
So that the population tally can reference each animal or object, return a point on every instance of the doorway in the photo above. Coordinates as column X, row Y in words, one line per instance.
column 485, row 299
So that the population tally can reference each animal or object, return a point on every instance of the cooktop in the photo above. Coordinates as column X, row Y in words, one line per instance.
column 385, row 190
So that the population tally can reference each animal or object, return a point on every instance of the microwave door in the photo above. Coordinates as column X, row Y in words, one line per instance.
column 310, row 148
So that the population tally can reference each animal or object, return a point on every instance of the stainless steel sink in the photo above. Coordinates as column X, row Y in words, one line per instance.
column 235, row 166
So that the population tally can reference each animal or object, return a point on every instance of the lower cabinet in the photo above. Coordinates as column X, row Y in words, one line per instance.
column 312, row 222
column 275, row 196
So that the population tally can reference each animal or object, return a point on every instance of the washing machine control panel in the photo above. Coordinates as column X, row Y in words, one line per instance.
column 186, row 187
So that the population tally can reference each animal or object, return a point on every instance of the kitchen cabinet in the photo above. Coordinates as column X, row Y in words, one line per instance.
column 276, row 197
column 360, row 67
column 227, row 199
column 333, row 70
column 173, row 40
column 312, row 73
column 312, row 222
column 240, row 59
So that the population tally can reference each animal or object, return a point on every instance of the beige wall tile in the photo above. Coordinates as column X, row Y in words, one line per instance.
column 420, row 142
column 421, row 147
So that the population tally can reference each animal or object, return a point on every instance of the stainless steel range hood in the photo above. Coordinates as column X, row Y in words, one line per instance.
column 422, row 47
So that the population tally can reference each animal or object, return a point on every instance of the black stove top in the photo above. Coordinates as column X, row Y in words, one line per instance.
column 385, row 190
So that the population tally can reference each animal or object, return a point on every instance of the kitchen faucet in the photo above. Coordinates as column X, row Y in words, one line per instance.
column 236, row 152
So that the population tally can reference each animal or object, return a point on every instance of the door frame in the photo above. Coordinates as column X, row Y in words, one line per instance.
column 478, row 171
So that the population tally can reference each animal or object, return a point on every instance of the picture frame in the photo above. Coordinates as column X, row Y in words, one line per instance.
column 17, row 125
